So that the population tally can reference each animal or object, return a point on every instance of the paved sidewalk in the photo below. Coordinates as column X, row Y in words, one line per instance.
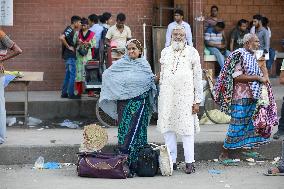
column 23, row 146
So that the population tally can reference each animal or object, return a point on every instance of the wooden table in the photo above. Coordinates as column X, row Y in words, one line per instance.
column 26, row 79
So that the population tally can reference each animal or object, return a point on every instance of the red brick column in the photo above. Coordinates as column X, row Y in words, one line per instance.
column 196, row 20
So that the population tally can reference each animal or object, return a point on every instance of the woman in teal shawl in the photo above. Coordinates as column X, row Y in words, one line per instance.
column 127, row 94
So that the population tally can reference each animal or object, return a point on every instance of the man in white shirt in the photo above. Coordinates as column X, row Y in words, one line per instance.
column 180, row 95
column 179, row 21
column 119, row 33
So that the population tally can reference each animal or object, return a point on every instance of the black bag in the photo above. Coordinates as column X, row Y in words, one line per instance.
column 104, row 32
column 83, row 50
column 148, row 162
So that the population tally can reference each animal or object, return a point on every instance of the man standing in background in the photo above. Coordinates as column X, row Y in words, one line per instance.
column 179, row 21
column 213, row 19
column 262, row 33
column 97, row 29
column 238, row 34
column 69, row 56
column 118, row 34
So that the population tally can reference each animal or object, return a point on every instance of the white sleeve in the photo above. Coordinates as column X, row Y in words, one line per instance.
column 252, row 30
column 161, row 63
column 197, row 78
column 109, row 34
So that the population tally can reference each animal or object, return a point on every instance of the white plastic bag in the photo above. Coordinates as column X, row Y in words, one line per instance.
column 165, row 160
column 39, row 163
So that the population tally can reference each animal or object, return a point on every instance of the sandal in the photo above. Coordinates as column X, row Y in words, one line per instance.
column 223, row 157
column 276, row 171
column 174, row 166
column 255, row 155
column 229, row 162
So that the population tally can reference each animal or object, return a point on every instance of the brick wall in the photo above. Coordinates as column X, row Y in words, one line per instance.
column 233, row 10
column 167, row 15
column 38, row 24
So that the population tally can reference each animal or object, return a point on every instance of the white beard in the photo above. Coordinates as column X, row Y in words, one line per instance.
column 177, row 46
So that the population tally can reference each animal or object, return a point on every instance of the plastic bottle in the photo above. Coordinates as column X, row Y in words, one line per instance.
column 39, row 163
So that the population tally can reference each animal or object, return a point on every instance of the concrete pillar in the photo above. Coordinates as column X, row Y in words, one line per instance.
column 196, row 20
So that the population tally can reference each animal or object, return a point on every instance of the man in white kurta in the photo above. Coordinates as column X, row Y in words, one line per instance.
column 180, row 95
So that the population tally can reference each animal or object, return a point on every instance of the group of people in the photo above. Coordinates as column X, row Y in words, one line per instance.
column 81, row 43
column 128, row 94
column 129, row 91
column 215, row 40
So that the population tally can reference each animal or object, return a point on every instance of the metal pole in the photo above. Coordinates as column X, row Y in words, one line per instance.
column 26, row 103
column 161, row 14
column 144, row 38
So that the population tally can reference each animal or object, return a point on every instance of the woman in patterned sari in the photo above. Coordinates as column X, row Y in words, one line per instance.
column 127, row 94
column 85, row 38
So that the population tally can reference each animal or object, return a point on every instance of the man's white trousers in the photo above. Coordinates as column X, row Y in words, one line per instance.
column 188, row 146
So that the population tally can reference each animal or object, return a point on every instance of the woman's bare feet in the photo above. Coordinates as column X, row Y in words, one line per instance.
column 224, row 155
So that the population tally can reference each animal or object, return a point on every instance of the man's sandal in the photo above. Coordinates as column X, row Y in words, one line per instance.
column 274, row 172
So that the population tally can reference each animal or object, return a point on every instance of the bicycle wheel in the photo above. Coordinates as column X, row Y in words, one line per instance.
column 103, row 118
column 212, row 110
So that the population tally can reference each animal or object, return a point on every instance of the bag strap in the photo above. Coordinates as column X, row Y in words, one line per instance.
column 154, row 146
column 103, row 165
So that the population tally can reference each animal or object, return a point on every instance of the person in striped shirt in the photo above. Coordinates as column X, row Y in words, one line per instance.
column 216, row 43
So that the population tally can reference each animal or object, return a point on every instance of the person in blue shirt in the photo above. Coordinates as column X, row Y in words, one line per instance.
column 179, row 21
column 97, row 29
column 106, row 20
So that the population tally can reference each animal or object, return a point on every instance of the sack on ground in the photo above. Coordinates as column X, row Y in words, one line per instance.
column 94, row 138
column 102, row 165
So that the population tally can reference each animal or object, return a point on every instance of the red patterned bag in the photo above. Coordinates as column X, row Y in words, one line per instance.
column 265, row 116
